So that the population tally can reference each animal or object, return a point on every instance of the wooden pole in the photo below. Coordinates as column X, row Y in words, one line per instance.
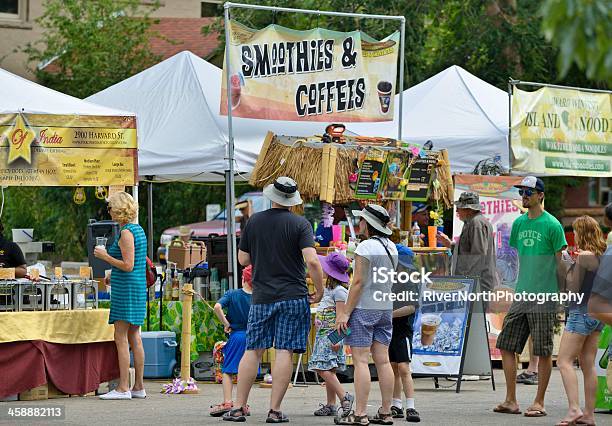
column 186, row 332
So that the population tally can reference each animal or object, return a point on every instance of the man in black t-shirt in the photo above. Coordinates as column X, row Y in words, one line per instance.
column 279, row 245
column 11, row 255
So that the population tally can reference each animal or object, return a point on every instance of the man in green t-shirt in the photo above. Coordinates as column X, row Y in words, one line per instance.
column 539, row 238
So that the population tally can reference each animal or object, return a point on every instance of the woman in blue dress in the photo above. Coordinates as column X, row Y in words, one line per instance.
column 127, row 257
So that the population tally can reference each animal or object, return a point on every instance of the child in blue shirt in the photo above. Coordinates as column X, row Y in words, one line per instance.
column 237, row 304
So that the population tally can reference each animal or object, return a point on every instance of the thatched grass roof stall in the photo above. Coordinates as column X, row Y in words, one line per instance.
column 322, row 170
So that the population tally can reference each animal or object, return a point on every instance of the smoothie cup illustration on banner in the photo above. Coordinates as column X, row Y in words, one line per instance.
column 235, row 90
column 384, row 95
column 429, row 327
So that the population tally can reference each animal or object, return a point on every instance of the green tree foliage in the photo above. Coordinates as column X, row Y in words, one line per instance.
column 91, row 45
column 582, row 31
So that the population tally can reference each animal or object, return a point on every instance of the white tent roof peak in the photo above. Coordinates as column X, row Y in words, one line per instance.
column 457, row 111
column 181, row 134
column 458, row 88
column 20, row 95
column 177, row 131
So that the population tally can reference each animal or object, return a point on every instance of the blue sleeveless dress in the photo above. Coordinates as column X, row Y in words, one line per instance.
column 129, row 289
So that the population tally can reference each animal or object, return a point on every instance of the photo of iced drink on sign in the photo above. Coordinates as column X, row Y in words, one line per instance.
column 235, row 83
column 429, row 327
column 384, row 95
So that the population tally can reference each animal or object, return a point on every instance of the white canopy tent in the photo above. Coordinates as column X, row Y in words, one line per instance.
column 20, row 95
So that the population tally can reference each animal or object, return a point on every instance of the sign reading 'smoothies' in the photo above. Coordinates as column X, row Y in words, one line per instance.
column 317, row 75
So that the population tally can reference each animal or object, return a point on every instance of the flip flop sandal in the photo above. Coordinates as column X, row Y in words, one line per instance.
column 535, row 413
column 582, row 422
column 276, row 417
column 505, row 410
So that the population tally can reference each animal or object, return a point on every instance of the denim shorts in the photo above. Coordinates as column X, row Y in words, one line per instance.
column 581, row 323
column 368, row 326
column 284, row 324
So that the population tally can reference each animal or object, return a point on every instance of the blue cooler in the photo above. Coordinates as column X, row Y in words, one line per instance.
column 160, row 353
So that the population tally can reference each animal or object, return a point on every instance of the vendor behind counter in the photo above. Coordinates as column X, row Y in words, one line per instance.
column 11, row 255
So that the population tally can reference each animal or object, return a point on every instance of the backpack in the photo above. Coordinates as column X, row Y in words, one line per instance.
column 151, row 272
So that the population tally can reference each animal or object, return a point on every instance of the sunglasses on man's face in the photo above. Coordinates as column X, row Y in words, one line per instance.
column 528, row 192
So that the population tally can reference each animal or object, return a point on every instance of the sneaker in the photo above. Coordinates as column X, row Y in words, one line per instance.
column 116, row 395
column 326, row 410
column 347, row 404
column 396, row 412
column 220, row 409
column 140, row 394
column 412, row 415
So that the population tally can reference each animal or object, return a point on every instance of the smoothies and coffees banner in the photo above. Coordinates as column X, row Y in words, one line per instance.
column 67, row 150
column 319, row 75
column 499, row 199
column 562, row 132
column 440, row 325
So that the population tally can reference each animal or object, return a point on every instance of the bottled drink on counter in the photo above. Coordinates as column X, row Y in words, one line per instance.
column 176, row 287
column 168, row 285
column 416, row 235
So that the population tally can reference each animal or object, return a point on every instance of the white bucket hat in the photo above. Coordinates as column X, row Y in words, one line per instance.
column 375, row 215
column 283, row 191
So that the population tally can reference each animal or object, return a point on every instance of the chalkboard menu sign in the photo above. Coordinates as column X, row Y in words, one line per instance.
column 371, row 173
column 419, row 179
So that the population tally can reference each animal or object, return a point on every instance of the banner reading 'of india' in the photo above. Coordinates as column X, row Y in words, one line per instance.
column 317, row 75
column 562, row 132
column 67, row 150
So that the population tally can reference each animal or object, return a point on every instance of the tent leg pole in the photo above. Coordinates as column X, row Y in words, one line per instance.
column 398, row 212
column 232, row 261
column 150, row 218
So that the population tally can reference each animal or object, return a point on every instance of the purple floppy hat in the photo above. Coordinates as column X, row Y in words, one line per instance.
column 336, row 266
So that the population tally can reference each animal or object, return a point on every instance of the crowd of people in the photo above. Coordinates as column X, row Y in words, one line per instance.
column 273, row 307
